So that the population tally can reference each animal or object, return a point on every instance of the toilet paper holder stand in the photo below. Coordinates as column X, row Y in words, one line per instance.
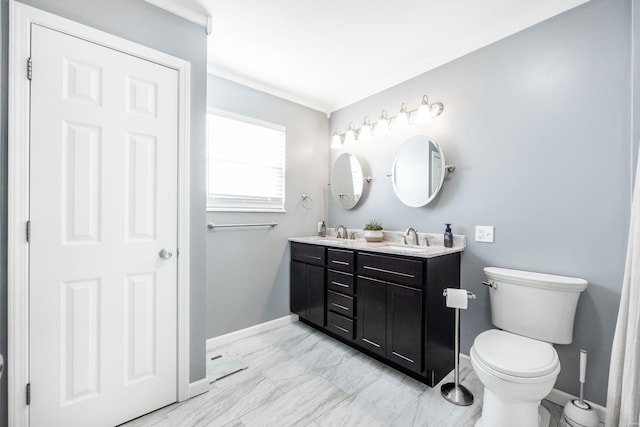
column 455, row 392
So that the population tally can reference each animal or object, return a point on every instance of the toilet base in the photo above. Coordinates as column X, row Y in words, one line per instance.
column 528, row 414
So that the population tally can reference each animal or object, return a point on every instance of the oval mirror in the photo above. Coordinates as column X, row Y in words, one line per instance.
column 346, row 181
column 418, row 171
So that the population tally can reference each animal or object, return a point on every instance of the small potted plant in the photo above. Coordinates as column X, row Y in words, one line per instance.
column 373, row 231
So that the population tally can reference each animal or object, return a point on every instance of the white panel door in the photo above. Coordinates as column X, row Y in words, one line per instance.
column 103, row 207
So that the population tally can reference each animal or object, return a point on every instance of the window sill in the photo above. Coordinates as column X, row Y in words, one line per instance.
column 240, row 210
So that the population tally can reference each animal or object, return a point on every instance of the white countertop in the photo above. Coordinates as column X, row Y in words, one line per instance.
column 392, row 244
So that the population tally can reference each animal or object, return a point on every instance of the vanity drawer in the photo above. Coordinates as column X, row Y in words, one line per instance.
column 394, row 269
column 340, row 282
column 340, row 325
column 309, row 254
column 339, row 259
column 340, row 303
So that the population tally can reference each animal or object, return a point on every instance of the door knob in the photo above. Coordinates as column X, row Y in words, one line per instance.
column 165, row 254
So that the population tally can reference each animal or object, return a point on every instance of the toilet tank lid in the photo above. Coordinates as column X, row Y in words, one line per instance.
column 540, row 280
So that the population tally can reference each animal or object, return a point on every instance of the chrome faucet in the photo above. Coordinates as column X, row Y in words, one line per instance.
column 415, row 235
column 345, row 235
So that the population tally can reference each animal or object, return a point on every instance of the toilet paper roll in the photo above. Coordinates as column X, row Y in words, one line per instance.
column 457, row 298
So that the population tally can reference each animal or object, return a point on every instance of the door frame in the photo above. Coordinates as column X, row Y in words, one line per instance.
column 21, row 17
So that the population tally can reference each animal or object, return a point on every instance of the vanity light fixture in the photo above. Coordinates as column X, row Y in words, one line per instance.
column 428, row 111
column 337, row 139
column 365, row 130
column 383, row 124
column 424, row 113
column 350, row 135
column 436, row 109
column 402, row 119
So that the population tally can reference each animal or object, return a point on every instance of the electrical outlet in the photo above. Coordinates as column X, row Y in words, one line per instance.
column 484, row 233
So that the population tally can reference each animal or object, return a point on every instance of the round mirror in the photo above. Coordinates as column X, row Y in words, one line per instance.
column 418, row 171
column 346, row 181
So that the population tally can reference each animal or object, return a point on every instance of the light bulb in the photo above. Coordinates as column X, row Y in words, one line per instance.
column 350, row 135
column 365, row 130
column 402, row 119
column 424, row 111
column 336, row 141
column 436, row 109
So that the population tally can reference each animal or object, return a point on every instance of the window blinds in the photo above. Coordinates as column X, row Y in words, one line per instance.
column 246, row 164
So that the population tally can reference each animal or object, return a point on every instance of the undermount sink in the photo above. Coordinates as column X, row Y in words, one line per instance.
column 335, row 241
column 325, row 240
column 407, row 248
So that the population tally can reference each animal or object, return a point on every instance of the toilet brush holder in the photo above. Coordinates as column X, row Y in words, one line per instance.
column 577, row 412
column 455, row 392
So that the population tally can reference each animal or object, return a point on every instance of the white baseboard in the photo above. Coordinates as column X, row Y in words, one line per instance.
column 560, row 397
column 252, row 330
column 198, row 387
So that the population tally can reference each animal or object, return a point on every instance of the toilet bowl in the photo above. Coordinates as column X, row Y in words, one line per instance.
column 517, row 363
column 517, row 373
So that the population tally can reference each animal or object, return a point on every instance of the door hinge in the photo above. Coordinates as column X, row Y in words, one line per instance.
column 29, row 68
column 28, row 394
column 28, row 231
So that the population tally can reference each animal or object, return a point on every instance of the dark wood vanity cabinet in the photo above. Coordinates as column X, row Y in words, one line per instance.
column 307, row 283
column 388, row 306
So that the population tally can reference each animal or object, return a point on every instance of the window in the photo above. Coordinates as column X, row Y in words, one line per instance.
column 245, row 165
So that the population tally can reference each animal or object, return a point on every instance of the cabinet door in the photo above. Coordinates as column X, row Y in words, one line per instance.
column 299, row 293
column 316, row 295
column 404, row 326
column 372, row 308
column 307, row 292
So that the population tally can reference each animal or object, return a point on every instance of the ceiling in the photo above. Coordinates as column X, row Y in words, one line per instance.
column 327, row 54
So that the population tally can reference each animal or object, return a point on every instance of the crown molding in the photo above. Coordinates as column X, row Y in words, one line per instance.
column 263, row 87
column 202, row 19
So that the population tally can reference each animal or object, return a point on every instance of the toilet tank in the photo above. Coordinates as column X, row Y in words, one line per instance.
column 535, row 305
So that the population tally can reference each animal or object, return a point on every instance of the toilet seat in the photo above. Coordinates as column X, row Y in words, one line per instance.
column 513, row 357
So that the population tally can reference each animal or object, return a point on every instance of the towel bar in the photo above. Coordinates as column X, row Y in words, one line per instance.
column 211, row 225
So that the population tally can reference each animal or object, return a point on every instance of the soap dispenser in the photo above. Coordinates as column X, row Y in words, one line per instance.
column 323, row 229
column 448, row 237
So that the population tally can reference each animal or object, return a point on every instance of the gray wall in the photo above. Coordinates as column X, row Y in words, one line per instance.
column 248, row 269
column 145, row 24
column 538, row 126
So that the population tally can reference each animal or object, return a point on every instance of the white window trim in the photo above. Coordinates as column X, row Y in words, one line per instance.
column 254, row 121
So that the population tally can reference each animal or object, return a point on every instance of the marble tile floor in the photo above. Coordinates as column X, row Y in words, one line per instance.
column 298, row 376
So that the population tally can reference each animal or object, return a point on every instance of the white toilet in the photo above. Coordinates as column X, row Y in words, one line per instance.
column 517, row 364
